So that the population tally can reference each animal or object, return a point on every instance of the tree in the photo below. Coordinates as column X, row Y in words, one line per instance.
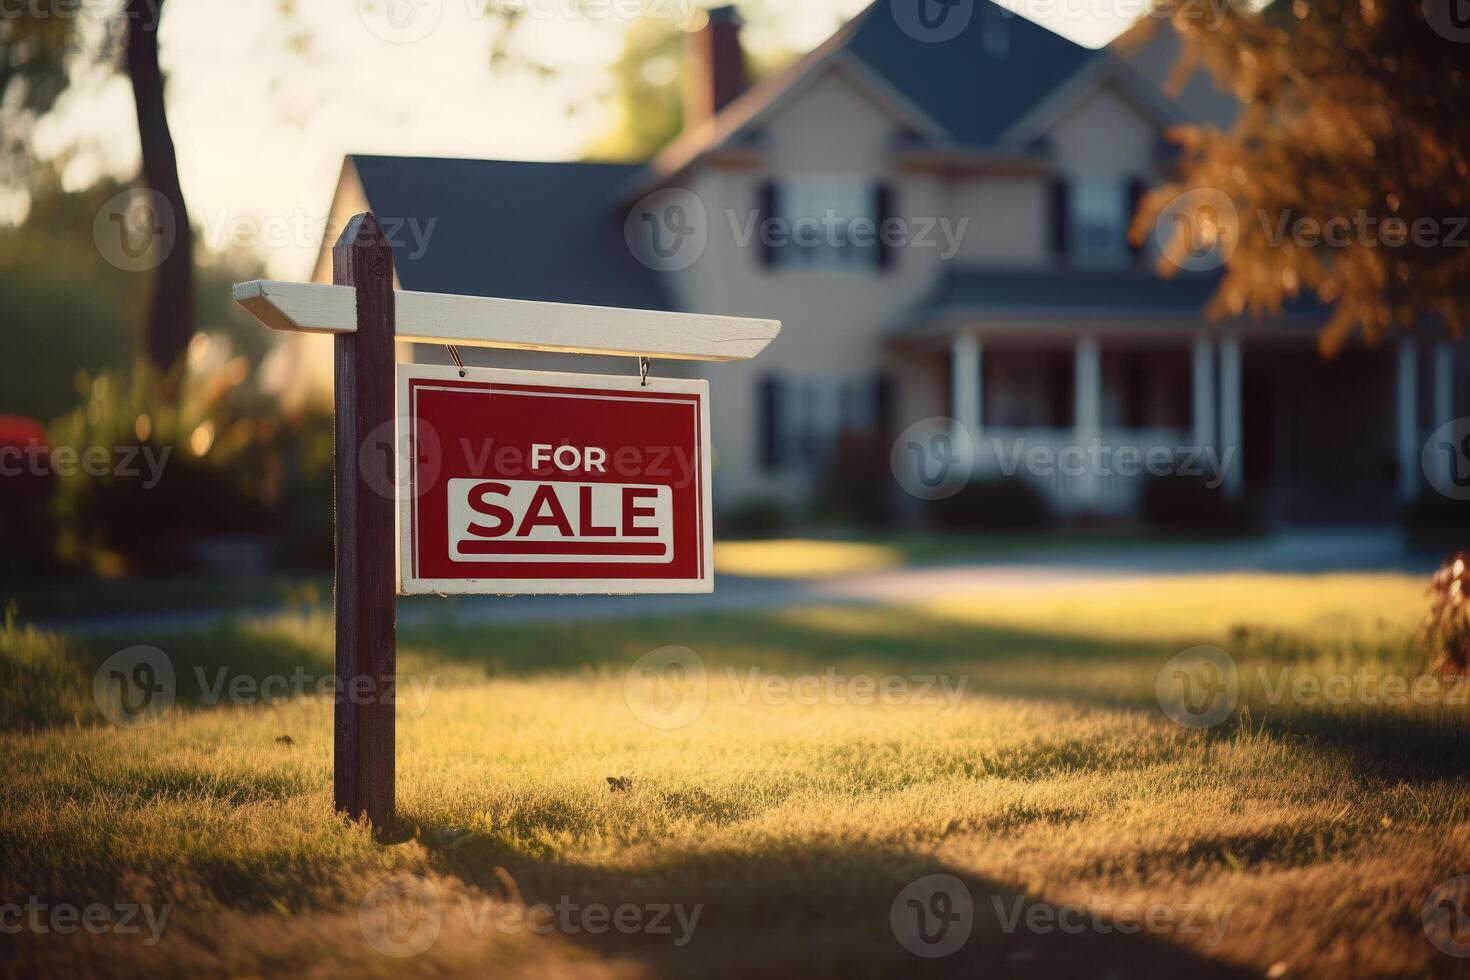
column 170, row 321
column 39, row 40
column 34, row 39
column 647, row 96
column 1346, row 175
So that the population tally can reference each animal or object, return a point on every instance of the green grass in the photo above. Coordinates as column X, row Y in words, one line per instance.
column 71, row 597
column 1314, row 832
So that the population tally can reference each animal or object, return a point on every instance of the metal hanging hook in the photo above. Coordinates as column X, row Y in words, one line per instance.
column 642, row 371
column 454, row 353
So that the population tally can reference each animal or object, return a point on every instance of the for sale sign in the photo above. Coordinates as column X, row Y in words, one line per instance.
column 524, row 482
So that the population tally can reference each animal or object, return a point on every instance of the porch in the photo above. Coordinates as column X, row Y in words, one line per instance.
column 1088, row 415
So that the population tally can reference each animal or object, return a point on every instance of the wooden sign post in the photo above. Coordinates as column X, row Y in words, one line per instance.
column 590, row 520
column 363, row 546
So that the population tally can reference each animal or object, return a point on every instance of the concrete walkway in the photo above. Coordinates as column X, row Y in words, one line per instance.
column 1300, row 552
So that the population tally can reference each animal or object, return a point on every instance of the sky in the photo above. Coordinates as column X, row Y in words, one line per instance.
column 263, row 106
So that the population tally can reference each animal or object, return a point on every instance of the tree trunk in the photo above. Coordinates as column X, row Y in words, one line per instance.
column 170, row 322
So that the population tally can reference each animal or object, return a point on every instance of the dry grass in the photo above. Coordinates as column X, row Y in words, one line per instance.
column 1299, row 837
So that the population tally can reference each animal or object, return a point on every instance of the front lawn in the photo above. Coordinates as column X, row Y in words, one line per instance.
column 783, row 794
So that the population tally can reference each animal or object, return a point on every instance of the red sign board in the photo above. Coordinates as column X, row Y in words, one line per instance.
column 524, row 482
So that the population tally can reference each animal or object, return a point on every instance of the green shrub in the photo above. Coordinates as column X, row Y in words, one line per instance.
column 231, row 465
column 758, row 517
column 856, row 486
column 1439, row 521
column 1446, row 629
column 1174, row 500
column 44, row 680
column 1006, row 502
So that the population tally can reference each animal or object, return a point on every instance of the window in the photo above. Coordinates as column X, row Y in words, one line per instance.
column 1100, row 221
column 1146, row 389
column 825, row 223
column 801, row 417
column 1028, row 389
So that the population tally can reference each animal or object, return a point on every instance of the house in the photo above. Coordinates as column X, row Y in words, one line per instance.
column 1001, row 167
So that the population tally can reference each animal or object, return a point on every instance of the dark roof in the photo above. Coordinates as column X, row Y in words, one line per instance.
column 1101, row 290
column 978, row 84
column 974, row 86
column 1074, row 292
column 541, row 231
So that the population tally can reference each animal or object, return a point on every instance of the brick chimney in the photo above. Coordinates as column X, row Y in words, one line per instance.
column 714, row 66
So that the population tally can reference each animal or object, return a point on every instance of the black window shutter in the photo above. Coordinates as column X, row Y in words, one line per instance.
column 766, row 208
column 1060, row 218
column 882, row 402
column 882, row 211
column 768, row 423
column 1136, row 189
column 1063, row 385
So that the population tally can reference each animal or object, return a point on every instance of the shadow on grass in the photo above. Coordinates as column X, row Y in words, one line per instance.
column 816, row 910
column 1045, row 665
column 1054, row 666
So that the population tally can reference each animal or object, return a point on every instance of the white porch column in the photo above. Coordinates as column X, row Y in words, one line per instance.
column 964, row 382
column 1231, row 447
column 1204, row 391
column 1408, row 421
column 1088, row 409
column 1444, row 403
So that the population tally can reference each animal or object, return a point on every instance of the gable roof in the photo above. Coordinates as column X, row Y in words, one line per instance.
column 539, row 231
column 967, row 92
column 981, row 82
